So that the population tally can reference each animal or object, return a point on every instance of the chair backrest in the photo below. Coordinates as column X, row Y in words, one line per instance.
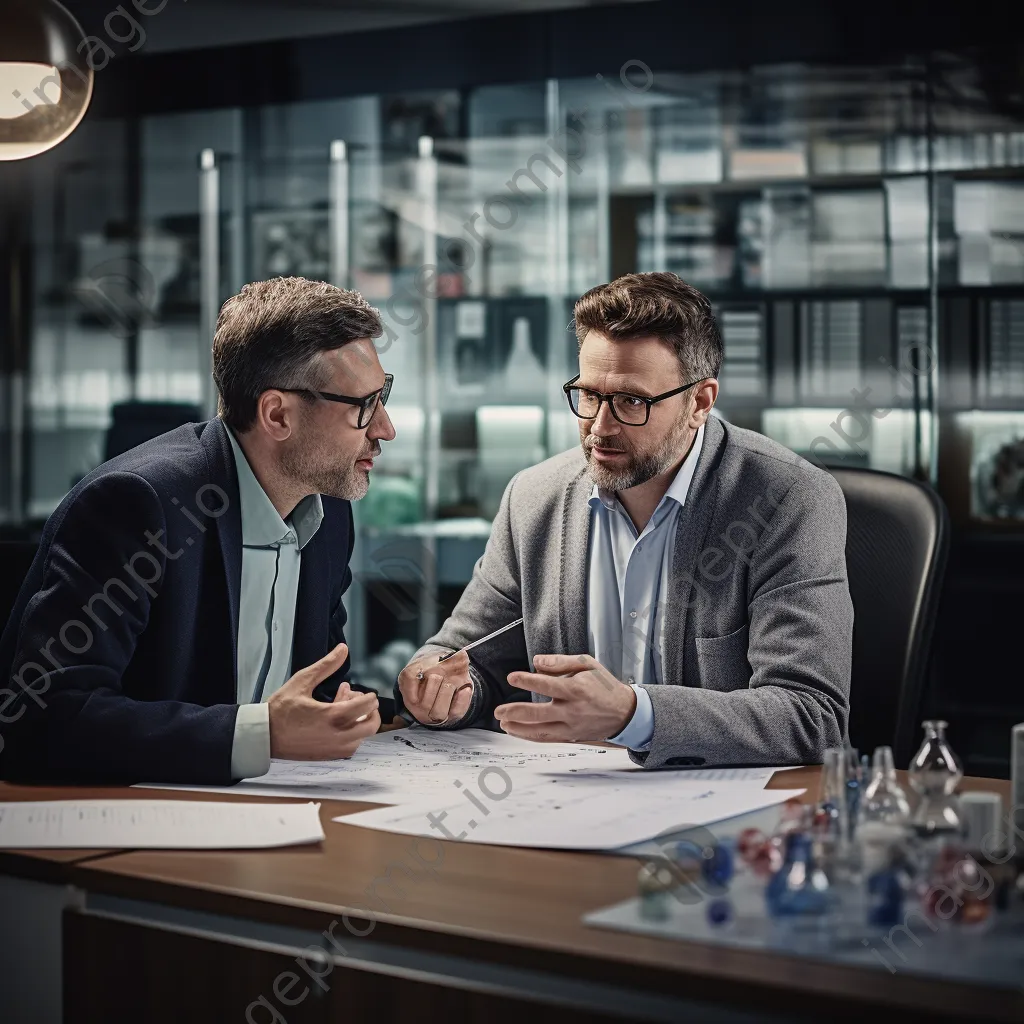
column 897, row 541
column 135, row 422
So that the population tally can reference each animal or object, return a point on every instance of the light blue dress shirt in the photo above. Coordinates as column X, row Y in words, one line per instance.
column 271, row 560
column 627, row 579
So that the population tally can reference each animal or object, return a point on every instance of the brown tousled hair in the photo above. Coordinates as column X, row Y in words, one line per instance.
column 659, row 304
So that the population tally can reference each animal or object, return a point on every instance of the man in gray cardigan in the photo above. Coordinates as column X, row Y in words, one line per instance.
column 683, row 581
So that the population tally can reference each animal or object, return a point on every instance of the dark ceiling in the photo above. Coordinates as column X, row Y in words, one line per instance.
column 192, row 24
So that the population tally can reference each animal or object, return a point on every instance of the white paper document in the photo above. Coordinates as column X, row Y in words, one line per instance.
column 584, row 811
column 157, row 824
column 759, row 775
column 406, row 765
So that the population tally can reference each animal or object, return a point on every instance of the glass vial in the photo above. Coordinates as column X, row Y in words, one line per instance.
column 934, row 773
column 801, row 886
column 883, row 798
column 654, row 887
column 831, row 815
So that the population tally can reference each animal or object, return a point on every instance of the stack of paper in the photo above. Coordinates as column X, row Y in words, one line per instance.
column 588, row 811
column 492, row 788
column 156, row 824
column 406, row 764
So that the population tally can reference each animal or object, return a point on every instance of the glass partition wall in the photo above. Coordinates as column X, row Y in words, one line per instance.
column 860, row 232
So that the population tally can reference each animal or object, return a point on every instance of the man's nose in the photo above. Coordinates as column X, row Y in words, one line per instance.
column 381, row 428
column 605, row 424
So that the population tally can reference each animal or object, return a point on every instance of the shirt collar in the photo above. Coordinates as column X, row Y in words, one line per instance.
column 677, row 490
column 262, row 525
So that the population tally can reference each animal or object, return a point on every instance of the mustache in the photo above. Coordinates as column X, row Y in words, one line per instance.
column 590, row 442
column 372, row 453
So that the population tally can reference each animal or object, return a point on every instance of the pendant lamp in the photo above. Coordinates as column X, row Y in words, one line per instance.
column 45, row 82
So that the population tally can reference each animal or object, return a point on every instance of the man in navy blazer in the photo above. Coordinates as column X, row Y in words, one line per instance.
column 183, row 618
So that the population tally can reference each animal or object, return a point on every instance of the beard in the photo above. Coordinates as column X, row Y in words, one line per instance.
column 639, row 467
column 321, row 469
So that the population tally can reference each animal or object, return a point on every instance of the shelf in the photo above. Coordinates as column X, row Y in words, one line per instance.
column 810, row 293
column 837, row 181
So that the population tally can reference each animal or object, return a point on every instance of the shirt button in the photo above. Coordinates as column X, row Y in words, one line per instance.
column 632, row 614
column 275, row 627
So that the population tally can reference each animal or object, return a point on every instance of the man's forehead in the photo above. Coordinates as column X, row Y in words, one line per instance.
column 356, row 362
column 622, row 364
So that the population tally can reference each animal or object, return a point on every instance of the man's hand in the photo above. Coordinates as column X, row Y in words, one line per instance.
column 437, row 693
column 588, row 704
column 304, row 729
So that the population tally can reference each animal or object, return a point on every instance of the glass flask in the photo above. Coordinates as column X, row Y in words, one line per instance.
column 855, row 783
column 888, row 871
column 976, row 889
column 831, row 814
column 801, row 887
column 883, row 798
column 934, row 773
column 654, row 884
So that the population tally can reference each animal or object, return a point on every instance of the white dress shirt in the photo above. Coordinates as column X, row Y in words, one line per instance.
column 271, row 561
column 628, row 574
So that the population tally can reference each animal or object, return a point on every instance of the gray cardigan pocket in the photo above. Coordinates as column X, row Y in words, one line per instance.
column 722, row 661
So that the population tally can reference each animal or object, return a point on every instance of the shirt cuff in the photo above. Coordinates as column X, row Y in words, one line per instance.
column 640, row 730
column 250, row 750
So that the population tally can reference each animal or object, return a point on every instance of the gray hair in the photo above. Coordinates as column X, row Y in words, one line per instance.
column 272, row 335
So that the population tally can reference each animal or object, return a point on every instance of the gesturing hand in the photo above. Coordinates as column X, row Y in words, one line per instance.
column 305, row 729
column 436, row 693
column 587, row 703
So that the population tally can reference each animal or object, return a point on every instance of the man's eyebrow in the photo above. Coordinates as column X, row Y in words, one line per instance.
column 637, row 391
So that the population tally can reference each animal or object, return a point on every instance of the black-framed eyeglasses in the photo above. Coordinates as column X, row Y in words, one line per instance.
column 629, row 410
column 367, row 405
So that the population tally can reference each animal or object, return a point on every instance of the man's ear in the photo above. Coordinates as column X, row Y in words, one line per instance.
column 276, row 414
column 704, row 399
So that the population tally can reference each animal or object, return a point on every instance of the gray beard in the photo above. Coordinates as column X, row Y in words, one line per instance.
column 637, row 471
column 312, row 468
column 640, row 468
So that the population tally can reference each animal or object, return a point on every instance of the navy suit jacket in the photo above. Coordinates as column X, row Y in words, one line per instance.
column 120, row 653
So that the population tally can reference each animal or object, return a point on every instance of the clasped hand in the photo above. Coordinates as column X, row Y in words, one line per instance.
column 437, row 692
column 588, row 704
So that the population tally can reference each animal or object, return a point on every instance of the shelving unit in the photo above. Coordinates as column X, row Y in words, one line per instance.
column 836, row 217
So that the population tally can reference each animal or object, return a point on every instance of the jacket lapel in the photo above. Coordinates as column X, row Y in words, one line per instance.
column 312, row 603
column 573, row 565
column 229, row 525
column 690, row 540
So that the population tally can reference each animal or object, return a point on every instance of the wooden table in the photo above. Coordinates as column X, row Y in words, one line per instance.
column 431, row 928
column 41, row 865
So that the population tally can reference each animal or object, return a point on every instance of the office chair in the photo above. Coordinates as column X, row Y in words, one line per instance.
column 135, row 422
column 897, row 542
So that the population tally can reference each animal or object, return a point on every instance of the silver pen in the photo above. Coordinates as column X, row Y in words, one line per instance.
column 482, row 640
column 470, row 646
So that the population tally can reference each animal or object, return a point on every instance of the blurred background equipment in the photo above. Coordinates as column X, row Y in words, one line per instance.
column 857, row 221
column 131, row 423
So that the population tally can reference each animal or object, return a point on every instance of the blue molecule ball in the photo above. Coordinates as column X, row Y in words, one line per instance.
column 717, row 864
column 719, row 912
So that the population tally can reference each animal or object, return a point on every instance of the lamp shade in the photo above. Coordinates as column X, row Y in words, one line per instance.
column 45, row 82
